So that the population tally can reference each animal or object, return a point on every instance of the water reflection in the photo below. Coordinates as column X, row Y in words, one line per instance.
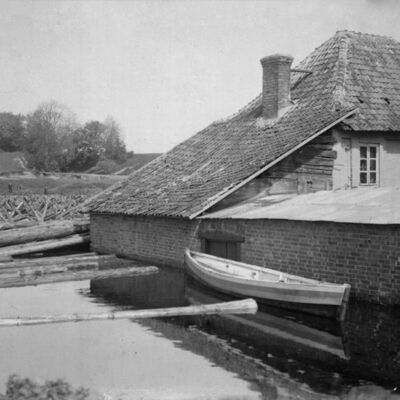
column 330, row 358
column 266, row 326
column 120, row 359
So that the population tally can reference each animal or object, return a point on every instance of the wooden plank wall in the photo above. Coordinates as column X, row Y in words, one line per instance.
column 309, row 169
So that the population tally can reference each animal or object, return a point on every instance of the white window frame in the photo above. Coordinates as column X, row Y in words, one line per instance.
column 368, row 159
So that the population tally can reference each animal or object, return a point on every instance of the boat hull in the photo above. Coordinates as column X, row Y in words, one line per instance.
column 320, row 299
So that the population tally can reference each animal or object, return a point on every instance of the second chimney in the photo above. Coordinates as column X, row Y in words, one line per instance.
column 276, row 84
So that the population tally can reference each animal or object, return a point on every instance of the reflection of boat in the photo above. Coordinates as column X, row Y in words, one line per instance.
column 264, row 326
column 265, row 381
column 247, row 280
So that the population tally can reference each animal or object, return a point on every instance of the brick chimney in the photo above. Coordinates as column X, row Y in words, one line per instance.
column 276, row 84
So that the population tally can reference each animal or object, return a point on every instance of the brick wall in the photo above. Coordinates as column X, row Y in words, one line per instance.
column 157, row 240
column 366, row 256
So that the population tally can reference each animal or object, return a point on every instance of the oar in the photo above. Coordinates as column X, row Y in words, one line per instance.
column 247, row 306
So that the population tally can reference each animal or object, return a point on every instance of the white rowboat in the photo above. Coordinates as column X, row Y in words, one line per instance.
column 246, row 280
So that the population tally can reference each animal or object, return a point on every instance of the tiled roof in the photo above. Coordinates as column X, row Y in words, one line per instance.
column 370, row 74
column 346, row 68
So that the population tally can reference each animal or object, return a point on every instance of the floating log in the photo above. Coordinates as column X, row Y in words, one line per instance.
column 43, row 245
column 38, row 270
column 247, row 306
column 59, row 260
column 38, row 256
column 78, row 264
column 70, row 275
column 43, row 231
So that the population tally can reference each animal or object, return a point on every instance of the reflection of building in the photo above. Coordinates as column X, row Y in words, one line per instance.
column 164, row 289
column 365, row 347
column 267, row 380
column 244, row 187
column 282, row 333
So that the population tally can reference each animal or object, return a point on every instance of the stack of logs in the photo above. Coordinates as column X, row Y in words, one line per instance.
column 27, row 210
column 16, row 269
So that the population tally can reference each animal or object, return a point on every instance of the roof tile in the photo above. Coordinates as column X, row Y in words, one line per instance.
column 350, row 70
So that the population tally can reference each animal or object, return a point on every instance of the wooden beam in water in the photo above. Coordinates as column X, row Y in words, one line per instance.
column 65, row 275
column 247, row 306
column 55, row 267
column 38, row 270
column 43, row 245
column 43, row 231
column 15, row 264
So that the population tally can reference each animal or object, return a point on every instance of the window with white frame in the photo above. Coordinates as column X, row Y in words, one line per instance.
column 369, row 164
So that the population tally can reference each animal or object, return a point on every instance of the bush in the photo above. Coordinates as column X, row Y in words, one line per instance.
column 23, row 388
column 104, row 166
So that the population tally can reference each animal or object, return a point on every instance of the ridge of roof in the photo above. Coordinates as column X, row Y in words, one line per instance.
column 343, row 37
column 339, row 93
column 350, row 33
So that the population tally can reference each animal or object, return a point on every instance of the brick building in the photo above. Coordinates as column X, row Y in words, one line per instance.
column 303, row 179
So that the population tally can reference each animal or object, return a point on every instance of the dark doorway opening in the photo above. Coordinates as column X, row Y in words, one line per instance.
column 222, row 248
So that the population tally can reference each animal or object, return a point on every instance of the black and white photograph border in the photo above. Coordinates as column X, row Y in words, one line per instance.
column 199, row 199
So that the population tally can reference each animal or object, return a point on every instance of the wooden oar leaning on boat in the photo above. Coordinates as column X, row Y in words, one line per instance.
column 265, row 284
column 247, row 306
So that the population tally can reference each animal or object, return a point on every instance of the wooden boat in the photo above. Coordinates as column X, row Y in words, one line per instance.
column 264, row 284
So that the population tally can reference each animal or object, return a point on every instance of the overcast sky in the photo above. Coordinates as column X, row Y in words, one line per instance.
column 163, row 69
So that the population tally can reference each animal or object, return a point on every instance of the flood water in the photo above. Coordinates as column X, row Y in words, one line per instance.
column 272, row 355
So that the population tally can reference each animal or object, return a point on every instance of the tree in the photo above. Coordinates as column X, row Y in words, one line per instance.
column 84, row 148
column 57, row 116
column 12, row 131
column 114, row 146
column 55, row 142
column 93, row 143
column 47, row 128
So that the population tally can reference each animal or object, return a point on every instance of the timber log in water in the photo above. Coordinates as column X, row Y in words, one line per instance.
column 42, row 236
column 67, row 274
column 49, row 265
column 43, row 245
column 57, row 235
column 43, row 231
column 247, row 306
